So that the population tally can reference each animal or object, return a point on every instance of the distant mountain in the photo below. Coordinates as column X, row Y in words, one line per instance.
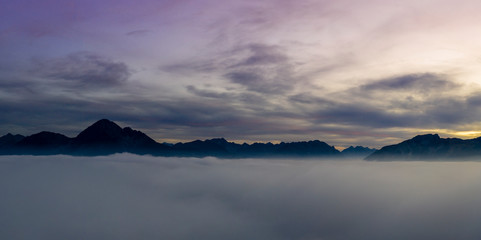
column 211, row 147
column 358, row 151
column 9, row 140
column 220, row 147
column 44, row 143
column 303, row 149
column 106, row 137
column 429, row 146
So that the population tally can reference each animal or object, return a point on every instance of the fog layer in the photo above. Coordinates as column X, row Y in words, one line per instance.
column 139, row 197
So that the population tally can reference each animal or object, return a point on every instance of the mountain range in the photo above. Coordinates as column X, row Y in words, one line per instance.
column 430, row 147
column 105, row 137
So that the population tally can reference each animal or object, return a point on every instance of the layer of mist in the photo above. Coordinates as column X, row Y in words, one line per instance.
column 139, row 197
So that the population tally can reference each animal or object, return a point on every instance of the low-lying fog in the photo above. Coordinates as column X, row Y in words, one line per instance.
column 138, row 197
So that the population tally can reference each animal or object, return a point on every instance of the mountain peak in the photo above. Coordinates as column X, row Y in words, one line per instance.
column 103, row 130
column 429, row 146
column 426, row 139
column 357, row 151
column 10, row 139
column 105, row 123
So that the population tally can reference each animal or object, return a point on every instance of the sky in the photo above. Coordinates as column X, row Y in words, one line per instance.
column 363, row 72
column 143, row 197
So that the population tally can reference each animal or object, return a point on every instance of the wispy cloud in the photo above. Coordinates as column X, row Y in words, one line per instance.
column 83, row 69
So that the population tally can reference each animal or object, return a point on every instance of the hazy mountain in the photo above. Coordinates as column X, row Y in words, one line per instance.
column 10, row 139
column 429, row 146
column 357, row 151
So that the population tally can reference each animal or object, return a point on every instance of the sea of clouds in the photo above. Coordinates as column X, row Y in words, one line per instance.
column 141, row 197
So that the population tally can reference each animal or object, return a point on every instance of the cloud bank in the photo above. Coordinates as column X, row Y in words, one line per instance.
column 127, row 197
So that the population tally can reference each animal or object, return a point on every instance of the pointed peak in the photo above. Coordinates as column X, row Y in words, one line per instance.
column 104, row 122
column 104, row 125
column 102, row 130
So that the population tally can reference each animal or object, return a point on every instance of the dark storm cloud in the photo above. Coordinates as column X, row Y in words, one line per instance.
column 420, row 82
column 132, row 197
column 83, row 69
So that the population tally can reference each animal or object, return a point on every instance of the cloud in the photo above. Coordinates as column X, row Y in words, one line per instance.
column 206, row 93
column 257, row 82
column 141, row 32
column 439, row 112
column 83, row 69
column 423, row 100
column 128, row 197
column 308, row 98
column 425, row 82
column 257, row 67
column 262, row 68
column 261, row 54
column 362, row 115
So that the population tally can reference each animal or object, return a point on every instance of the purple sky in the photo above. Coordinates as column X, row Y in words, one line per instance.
column 346, row 72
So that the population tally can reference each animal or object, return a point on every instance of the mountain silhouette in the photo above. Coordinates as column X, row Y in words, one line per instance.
column 309, row 148
column 9, row 140
column 220, row 147
column 429, row 146
column 44, row 143
column 105, row 137
column 358, row 151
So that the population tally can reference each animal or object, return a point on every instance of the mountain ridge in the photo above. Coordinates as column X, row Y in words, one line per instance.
column 105, row 137
column 429, row 147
